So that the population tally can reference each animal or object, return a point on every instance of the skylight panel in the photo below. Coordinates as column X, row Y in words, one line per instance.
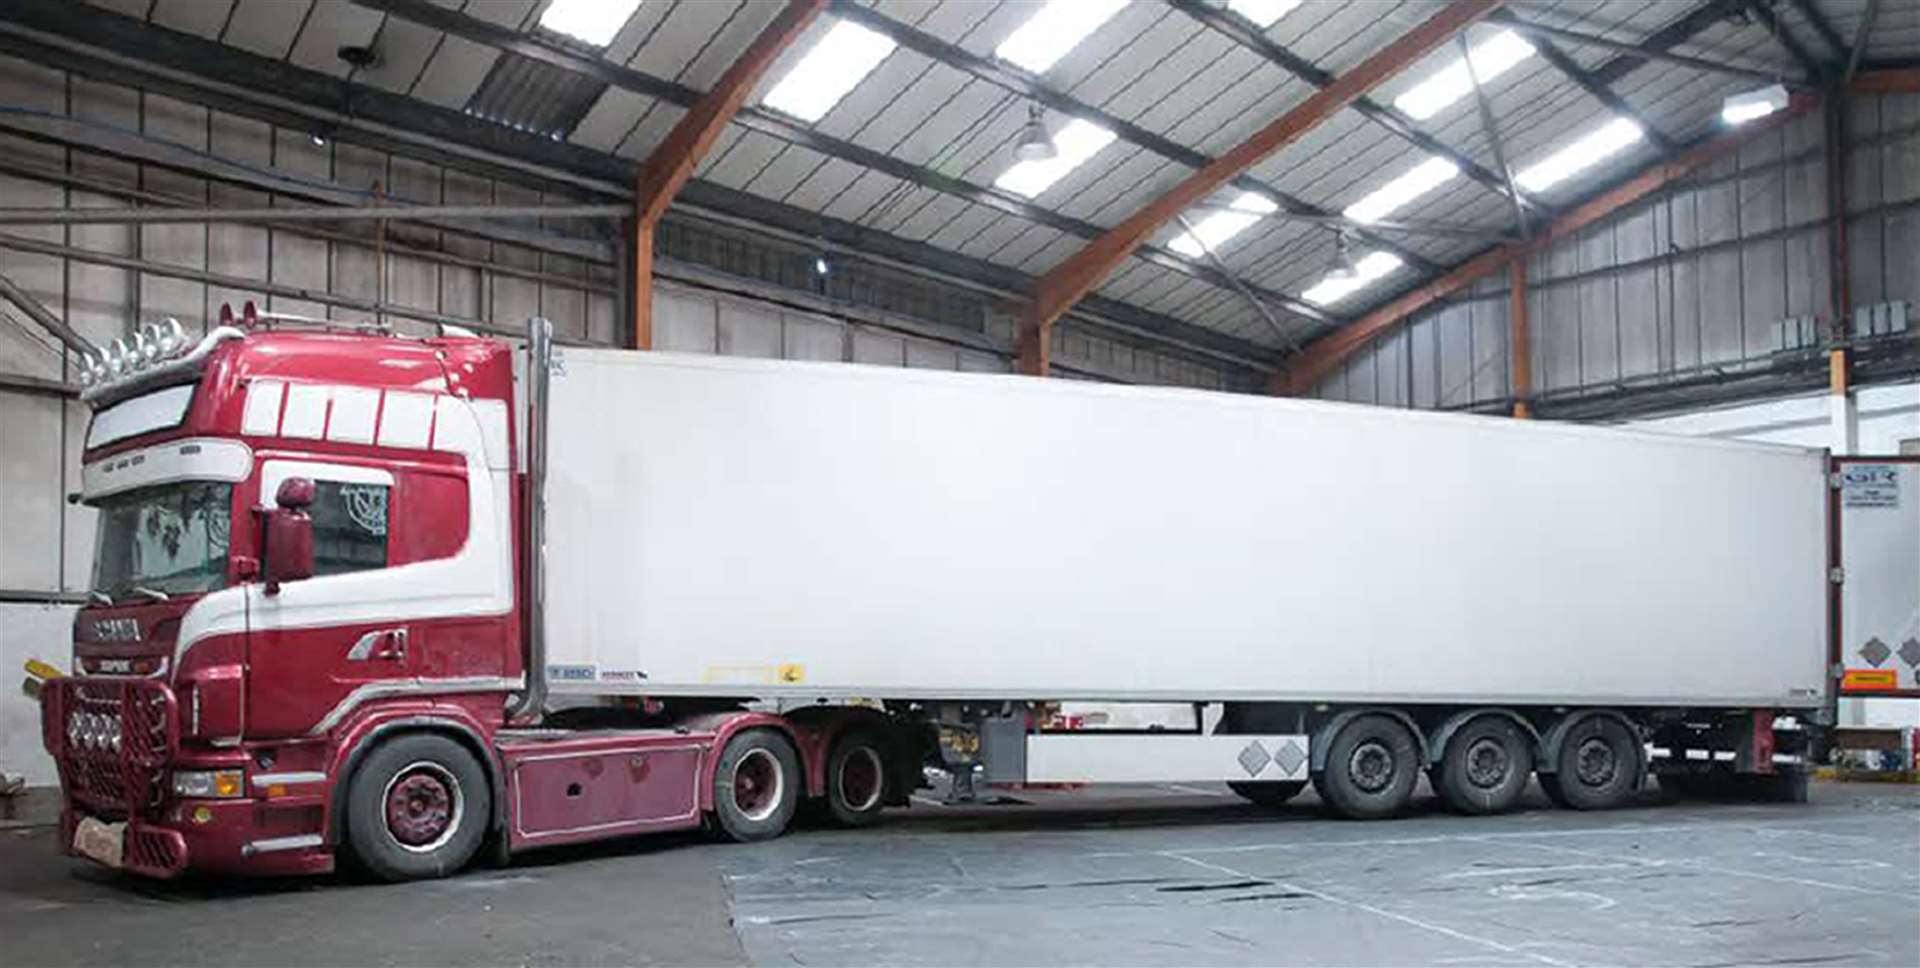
column 592, row 22
column 1368, row 270
column 1383, row 201
column 1591, row 149
column 1077, row 142
column 842, row 57
column 1055, row 29
column 1491, row 58
column 1222, row 225
column 1263, row 13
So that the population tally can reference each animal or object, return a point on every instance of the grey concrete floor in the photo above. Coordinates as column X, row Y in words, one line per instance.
column 1138, row 876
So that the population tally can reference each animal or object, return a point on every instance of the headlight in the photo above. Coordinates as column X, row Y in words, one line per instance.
column 208, row 784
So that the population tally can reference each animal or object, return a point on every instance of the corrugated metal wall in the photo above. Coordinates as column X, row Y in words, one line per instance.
column 1703, row 274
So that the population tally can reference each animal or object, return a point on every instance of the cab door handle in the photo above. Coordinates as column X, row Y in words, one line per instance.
column 379, row 644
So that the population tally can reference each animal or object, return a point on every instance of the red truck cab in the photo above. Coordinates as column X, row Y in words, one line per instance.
column 309, row 629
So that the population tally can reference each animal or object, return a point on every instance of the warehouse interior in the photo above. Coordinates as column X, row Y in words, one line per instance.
column 1688, row 217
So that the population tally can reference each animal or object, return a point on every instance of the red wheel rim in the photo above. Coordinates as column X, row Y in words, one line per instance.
column 423, row 806
column 860, row 779
column 758, row 785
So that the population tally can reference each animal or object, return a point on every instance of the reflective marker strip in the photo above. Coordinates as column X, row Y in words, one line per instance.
column 263, row 780
column 296, row 842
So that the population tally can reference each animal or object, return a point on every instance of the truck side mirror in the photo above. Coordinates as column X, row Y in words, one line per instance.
column 289, row 535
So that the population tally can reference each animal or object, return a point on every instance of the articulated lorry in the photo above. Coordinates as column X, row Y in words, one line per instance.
column 402, row 601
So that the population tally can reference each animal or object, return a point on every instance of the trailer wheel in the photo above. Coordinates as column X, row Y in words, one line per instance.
column 1267, row 793
column 1599, row 766
column 756, row 785
column 1372, row 765
column 857, row 779
column 1485, row 767
column 418, row 807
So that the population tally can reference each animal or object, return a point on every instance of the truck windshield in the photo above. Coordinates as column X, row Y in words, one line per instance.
column 169, row 538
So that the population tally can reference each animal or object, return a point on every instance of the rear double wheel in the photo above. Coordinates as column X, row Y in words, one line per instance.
column 1372, row 765
column 1485, row 767
column 857, row 779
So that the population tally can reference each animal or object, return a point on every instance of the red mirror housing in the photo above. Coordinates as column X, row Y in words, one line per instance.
column 289, row 536
column 296, row 493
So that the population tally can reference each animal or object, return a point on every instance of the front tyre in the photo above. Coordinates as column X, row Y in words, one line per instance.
column 418, row 807
column 756, row 785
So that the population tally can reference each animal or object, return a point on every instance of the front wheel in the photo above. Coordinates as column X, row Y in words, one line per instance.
column 418, row 807
column 756, row 785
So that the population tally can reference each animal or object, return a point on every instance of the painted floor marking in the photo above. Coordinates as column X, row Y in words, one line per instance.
column 1370, row 909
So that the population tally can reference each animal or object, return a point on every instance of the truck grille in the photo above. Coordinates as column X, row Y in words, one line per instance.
column 112, row 739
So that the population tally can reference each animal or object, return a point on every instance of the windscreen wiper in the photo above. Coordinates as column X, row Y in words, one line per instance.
column 99, row 597
column 153, row 593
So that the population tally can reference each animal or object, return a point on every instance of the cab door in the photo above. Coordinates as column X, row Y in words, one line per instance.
column 318, row 643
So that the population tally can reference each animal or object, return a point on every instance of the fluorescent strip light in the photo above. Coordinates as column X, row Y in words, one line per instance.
column 1223, row 225
column 1075, row 143
column 1263, row 13
column 1382, row 201
column 1331, row 290
column 1748, row 106
column 842, row 57
column 592, row 22
column 1591, row 149
column 1055, row 29
column 1491, row 58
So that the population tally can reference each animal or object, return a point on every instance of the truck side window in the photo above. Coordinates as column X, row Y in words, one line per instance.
column 349, row 527
column 433, row 519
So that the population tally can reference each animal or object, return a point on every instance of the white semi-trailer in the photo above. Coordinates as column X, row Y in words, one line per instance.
column 1361, row 587
column 358, row 592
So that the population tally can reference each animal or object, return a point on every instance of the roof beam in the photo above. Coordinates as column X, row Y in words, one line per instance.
column 116, row 49
column 774, row 125
column 1571, row 70
column 1860, row 40
column 1810, row 64
column 1657, row 47
column 1062, row 286
column 1322, row 356
column 1689, row 25
column 1824, row 27
column 1254, row 40
column 1030, row 85
column 676, row 158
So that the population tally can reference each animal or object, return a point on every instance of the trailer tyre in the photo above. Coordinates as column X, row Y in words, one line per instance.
column 756, row 786
column 1485, row 767
column 418, row 807
column 1267, row 793
column 1598, row 766
column 1372, row 765
column 857, row 779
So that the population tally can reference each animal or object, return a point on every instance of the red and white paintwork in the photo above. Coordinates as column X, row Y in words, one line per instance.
column 274, row 684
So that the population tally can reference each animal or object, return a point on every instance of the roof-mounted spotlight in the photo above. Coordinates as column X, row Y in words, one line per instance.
column 1342, row 266
column 1035, row 143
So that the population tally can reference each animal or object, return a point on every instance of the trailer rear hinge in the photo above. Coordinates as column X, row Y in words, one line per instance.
column 1837, row 575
